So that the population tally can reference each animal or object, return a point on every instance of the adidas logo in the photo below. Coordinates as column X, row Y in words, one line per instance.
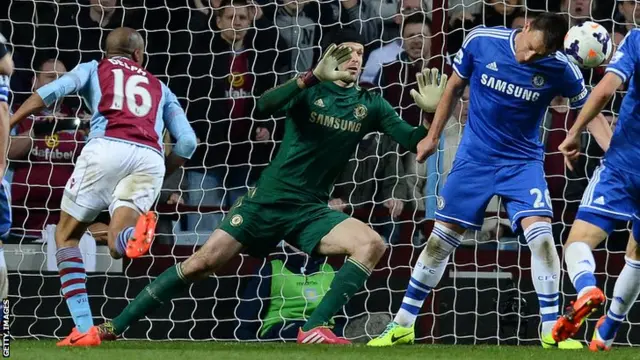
column 493, row 66
column 599, row 201
column 319, row 103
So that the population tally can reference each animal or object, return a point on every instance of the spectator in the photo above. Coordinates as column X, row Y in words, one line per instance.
column 42, row 156
column 224, row 73
column 170, row 197
column 395, row 78
column 282, row 295
column 374, row 178
column 578, row 10
column 630, row 11
column 374, row 29
column 494, row 13
column 300, row 24
column 78, row 31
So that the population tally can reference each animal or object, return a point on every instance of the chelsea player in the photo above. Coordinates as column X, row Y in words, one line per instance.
column 6, row 68
column 612, row 196
column 513, row 76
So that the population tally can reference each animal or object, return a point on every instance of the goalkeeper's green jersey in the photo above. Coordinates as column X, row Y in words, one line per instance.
column 323, row 126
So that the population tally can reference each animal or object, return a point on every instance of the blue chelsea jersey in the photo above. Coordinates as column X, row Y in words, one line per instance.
column 624, row 151
column 508, row 100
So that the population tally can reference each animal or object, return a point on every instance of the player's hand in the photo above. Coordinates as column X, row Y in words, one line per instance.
column 430, row 89
column 395, row 207
column 425, row 148
column 262, row 134
column 327, row 68
column 175, row 198
column 337, row 204
column 570, row 148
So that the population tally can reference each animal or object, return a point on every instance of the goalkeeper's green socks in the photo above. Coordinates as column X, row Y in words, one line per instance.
column 168, row 284
column 347, row 282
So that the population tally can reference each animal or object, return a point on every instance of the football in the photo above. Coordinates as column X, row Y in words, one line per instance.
column 588, row 45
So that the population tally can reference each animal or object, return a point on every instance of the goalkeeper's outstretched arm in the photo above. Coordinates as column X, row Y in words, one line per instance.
column 448, row 101
column 279, row 97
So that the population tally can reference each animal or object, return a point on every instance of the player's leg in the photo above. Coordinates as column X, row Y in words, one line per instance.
column 84, row 197
column 526, row 199
column 132, row 225
column 606, row 201
column 625, row 293
column 68, row 232
column 5, row 227
column 459, row 207
column 235, row 232
column 219, row 248
column 339, row 235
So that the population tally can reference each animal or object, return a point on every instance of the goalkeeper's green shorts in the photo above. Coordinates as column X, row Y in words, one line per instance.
column 260, row 227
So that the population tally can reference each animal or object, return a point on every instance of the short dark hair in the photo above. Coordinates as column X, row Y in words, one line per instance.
column 341, row 35
column 224, row 4
column 416, row 18
column 554, row 27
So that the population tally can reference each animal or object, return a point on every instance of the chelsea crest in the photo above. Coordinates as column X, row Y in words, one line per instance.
column 538, row 80
column 360, row 112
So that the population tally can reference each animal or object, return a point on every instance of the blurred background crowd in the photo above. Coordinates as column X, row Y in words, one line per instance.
column 218, row 56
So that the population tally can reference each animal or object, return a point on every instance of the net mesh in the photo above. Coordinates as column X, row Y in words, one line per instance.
column 486, row 294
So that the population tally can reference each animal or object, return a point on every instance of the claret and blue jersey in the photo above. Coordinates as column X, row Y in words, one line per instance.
column 501, row 152
column 613, row 193
column 127, row 104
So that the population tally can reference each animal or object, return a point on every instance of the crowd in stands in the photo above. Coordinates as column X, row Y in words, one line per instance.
column 219, row 56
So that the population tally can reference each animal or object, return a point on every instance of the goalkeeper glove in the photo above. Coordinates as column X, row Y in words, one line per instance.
column 327, row 67
column 430, row 90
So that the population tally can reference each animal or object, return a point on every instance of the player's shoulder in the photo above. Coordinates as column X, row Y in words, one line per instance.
column 87, row 66
column 482, row 34
column 560, row 61
column 632, row 38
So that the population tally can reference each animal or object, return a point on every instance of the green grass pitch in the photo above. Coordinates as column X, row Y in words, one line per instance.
column 142, row 350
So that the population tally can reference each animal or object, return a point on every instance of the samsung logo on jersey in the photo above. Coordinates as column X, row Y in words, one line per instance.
column 509, row 89
column 116, row 61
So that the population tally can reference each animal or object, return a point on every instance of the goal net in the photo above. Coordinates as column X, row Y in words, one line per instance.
column 486, row 294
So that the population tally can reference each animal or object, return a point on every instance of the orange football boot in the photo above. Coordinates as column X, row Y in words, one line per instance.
column 76, row 338
column 597, row 344
column 143, row 234
column 568, row 324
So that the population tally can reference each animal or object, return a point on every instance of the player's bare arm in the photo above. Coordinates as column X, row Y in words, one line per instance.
column 31, row 106
column 599, row 97
column 601, row 131
column 452, row 93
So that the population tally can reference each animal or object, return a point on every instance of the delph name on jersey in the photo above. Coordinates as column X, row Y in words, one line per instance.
column 49, row 154
column 509, row 89
column 138, row 70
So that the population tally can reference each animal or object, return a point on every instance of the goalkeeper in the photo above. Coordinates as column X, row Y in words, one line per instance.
column 327, row 115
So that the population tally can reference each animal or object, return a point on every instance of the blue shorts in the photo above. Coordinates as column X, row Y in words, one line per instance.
column 470, row 186
column 612, row 197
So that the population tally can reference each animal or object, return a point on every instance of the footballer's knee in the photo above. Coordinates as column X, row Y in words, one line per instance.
column 219, row 249
column 437, row 249
column 544, row 248
column 369, row 249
